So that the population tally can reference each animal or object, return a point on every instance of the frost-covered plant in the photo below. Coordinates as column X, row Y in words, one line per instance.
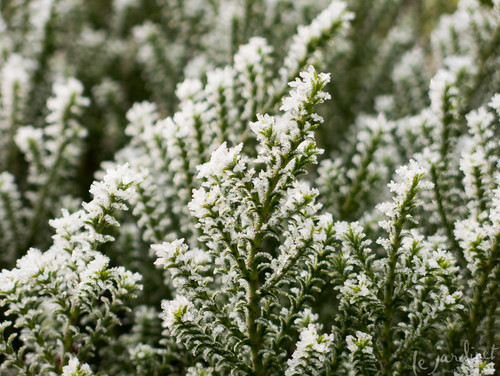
column 393, row 304
column 238, row 256
column 475, row 366
column 123, row 52
column 262, row 240
column 53, row 154
column 169, row 150
column 62, row 304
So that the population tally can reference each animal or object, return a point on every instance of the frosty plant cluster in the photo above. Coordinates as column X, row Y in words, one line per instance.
column 280, row 187
column 242, row 203
column 56, row 298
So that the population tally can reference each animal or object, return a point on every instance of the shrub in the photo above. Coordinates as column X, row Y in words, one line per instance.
column 250, row 215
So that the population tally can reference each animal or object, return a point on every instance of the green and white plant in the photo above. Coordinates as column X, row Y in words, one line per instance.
column 249, row 215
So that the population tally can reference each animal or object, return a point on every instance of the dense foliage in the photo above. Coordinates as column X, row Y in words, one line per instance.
column 250, row 215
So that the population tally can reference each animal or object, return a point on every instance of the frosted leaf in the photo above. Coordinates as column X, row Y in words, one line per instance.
column 297, row 195
column 140, row 116
column 480, row 123
column 408, row 178
column 406, row 175
column 116, row 183
column 67, row 94
column 469, row 232
column 442, row 299
column 495, row 103
column 168, row 250
column 343, row 229
column 250, row 53
column 199, row 370
column 92, row 273
column 310, row 346
column 15, row 75
column 178, row 309
column 336, row 13
column 309, row 337
column 67, row 225
column 303, row 90
column 265, row 123
column 362, row 342
column 27, row 135
column 200, row 199
column 469, row 164
column 261, row 186
column 34, row 266
column 110, row 195
column 358, row 288
column 74, row 368
column 30, row 264
column 220, row 159
column 188, row 89
column 440, row 84
column 306, row 317
column 7, row 281
column 219, row 78
column 475, row 366
column 325, row 220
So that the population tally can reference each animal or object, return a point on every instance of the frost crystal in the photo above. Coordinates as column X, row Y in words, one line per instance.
column 495, row 103
column 303, row 90
column 362, row 343
column 67, row 97
column 74, row 368
column 358, row 288
column 177, row 310
column 336, row 14
column 221, row 158
column 311, row 346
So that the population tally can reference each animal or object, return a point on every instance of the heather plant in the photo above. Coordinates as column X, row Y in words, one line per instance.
column 241, row 205
column 249, row 215
column 65, row 302
column 123, row 52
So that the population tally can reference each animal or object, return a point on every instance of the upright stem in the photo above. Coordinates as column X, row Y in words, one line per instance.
column 444, row 216
column 479, row 308
column 51, row 181
column 388, row 294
